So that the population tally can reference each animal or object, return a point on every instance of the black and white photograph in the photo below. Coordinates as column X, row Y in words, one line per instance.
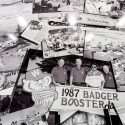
column 12, row 52
column 39, row 77
column 17, row 7
column 5, row 102
column 119, row 73
column 52, row 6
column 85, row 118
column 31, row 116
column 9, row 69
column 61, row 62
column 34, row 32
column 104, row 46
column 112, row 8
column 75, row 70
column 83, row 20
column 63, row 41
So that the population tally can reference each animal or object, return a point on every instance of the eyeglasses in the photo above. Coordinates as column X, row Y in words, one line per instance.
column 94, row 67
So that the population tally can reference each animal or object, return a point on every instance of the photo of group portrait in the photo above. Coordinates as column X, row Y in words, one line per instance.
column 75, row 70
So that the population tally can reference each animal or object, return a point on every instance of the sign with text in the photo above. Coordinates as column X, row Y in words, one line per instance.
column 80, row 98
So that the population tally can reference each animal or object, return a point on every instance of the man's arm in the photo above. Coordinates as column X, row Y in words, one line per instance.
column 103, row 81
column 66, row 77
column 86, row 80
column 53, row 72
column 71, row 77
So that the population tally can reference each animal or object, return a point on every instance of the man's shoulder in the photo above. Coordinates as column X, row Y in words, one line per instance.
column 90, row 73
column 99, row 73
column 54, row 68
column 74, row 68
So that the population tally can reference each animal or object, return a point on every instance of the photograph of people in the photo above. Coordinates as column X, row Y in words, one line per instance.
column 95, row 78
column 109, row 80
column 59, row 73
column 77, row 75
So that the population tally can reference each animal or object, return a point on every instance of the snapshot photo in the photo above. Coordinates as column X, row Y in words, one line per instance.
column 81, row 19
column 39, row 77
column 5, row 102
column 12, row 51
column 119, row 73
column 35, row 31
column 30, row 116
column 52, row 6
column 17, row 7
column 104, row 46
column 11, row 44
column 85, row 118
column 63, row 41
column 112, row 8
column 9, row 71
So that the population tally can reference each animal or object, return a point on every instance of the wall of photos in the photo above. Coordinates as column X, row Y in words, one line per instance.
column 62, row 62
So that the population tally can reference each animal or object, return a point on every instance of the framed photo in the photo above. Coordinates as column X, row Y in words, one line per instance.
column 103, row 46
column 50, row 6
column 85, row 118
column 12, row 52
column 63, row 41
column 119, row 70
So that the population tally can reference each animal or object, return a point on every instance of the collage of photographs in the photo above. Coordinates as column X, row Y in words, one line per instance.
column 62, row 62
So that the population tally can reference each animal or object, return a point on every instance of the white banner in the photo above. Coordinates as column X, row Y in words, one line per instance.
column 83, row 98
column 91, row 19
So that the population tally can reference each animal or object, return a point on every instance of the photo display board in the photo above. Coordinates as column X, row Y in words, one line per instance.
column 62, row 62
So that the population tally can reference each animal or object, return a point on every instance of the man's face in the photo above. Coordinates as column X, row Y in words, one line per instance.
column 106, row 69
column 94, row 67
column 61, row 62
column 78, row 62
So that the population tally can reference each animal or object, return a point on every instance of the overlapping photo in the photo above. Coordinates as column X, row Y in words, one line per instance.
column 12, row 51
column 38, row 78
column 83, row 20
column 119, row 72
column 31, row 116
column 104, row 46
column 52, row 6
column 34, row 32
column 63, row 41
column 34, row 85
column 17, row 7
column 85, row 118
column 75, row 70
column 112, row 8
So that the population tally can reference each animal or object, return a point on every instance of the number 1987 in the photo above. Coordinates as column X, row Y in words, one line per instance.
column 70, row 92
